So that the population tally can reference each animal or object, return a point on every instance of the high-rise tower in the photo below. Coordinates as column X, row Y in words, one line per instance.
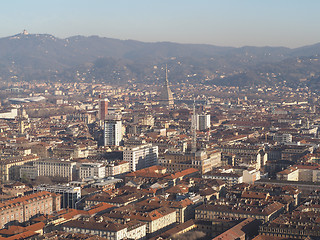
column 166, row 97
column 112, row 130
column 103, row 109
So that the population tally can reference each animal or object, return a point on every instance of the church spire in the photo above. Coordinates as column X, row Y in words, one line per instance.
column 167, row 82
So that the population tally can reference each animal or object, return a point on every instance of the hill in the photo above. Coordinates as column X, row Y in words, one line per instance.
column 44, row 57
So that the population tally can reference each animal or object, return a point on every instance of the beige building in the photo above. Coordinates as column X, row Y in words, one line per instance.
column 112, row 231
column 9, row 167
column 23, row 208
column 92, row 170
column 56, row 168
column 264, row 211
column 117, row 168
column 303, row 173
column 250, row 156
column 178, row 161
column 156, row 219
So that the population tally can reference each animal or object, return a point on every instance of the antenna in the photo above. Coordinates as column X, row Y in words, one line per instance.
column 194, row 128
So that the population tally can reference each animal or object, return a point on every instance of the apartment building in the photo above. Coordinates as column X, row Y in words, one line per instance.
column 23, row 208
column 56, row 168
column 69, row 195
column 9, row 166
column 112, row 231
column 140, row 157
column 178, row 161
column 92, row 170
column 49, row 168
column 303, row 173
column 117, row 168
column 112, row 130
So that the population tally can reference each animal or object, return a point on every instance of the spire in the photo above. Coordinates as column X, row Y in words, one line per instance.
column 194, row 128
column 167, row 82
column 166, row 96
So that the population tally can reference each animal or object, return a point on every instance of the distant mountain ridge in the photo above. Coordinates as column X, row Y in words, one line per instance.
column 44, row 57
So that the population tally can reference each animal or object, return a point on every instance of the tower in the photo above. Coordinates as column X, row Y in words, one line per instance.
column 112, row 130
column 203, row 122
column 103, row 108
column 166, row 97
column 194, row 129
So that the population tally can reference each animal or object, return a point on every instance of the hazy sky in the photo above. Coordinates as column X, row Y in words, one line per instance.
column 290, row 23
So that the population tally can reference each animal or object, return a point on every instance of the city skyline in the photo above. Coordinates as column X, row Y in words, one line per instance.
column 223, row 23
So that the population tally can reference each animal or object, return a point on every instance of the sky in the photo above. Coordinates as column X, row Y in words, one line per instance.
column 289, row 23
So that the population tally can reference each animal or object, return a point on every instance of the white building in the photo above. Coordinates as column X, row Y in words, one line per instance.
column 56, row 168
column 9, row 114
column 283, row 138
column 117, row 168
column 303, row 173
column 112, row 130
column 141, row 156
column 203, row 122
column 92, row 170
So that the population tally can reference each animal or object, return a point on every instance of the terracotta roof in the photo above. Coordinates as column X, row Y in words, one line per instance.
column 24, row 199
column 182, row 173
column 255, row 195
column 19, row 236
column 109, row 227
column 181, row 188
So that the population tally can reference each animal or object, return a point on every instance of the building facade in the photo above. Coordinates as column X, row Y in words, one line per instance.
column 112, row 130
column 23, row 208
column 69, row 195
column 9, row 167
column 117, row 168
column 203, row 122
column 103, row 109
column 178, row 161
column 56, row 168
column 141, row 156
column 92, row 170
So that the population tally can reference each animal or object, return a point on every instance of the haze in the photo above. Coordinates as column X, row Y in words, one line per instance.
column 289, row 23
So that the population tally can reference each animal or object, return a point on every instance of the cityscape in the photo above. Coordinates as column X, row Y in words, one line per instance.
column 206, row 126
column 177, row 161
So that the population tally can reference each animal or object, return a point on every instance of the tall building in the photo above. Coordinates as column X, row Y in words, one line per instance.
column 202, row 122
column 103, row 108
column 112, row 130
column 166, row 97
column 141, row 156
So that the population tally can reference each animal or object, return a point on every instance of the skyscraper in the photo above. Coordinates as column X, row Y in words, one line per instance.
column 103, row 109
column 203, row 121
column 166, row 97
column 112, row 130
